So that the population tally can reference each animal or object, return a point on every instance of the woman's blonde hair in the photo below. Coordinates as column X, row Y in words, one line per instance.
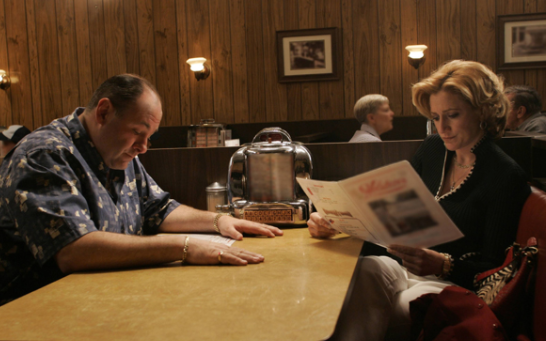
column 475, row 83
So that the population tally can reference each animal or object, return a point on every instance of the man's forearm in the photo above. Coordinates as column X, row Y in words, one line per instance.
column 188, row 219
column 105, row 250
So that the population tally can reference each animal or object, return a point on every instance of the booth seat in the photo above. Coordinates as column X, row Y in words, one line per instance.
column 532, row 224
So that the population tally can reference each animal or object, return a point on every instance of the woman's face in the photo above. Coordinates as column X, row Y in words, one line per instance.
column 457, row 123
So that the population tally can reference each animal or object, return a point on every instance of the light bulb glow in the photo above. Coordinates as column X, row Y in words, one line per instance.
column 5, row 82
column 416, row 51
column 196, row 64
column 416, row 55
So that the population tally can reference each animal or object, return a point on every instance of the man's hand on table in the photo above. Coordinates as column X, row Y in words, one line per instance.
column 202, row 252
column 234, row 228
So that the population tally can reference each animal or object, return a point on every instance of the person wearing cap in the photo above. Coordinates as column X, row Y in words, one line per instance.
column 75, row 197
column 10, row 137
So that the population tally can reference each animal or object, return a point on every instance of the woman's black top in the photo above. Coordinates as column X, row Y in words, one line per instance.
column 486, row 207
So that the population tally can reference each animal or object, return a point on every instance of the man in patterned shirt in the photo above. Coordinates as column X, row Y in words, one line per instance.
column 75, row 197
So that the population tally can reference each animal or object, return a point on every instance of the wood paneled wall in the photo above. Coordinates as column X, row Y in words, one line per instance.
column 58, row 51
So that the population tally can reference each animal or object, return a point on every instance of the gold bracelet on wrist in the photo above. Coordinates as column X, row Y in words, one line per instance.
column 185, row 253
column 215, row 224
column 447, row 266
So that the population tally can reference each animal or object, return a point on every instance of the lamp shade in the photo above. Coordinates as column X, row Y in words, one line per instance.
column 196, row 64
column 416, row 51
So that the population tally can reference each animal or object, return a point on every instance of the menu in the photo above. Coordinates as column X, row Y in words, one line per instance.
column 388, row 205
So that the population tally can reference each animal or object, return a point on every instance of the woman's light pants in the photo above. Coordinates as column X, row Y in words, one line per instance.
column 388, row 289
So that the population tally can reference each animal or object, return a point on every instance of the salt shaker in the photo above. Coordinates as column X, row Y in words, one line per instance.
column 216, row 195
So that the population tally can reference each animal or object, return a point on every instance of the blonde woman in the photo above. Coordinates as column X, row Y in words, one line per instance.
column 481, row 188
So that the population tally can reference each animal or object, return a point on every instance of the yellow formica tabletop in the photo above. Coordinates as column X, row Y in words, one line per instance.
column 296, row 294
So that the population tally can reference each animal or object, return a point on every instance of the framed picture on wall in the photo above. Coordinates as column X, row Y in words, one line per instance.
column 308, row 55
column 521, row 41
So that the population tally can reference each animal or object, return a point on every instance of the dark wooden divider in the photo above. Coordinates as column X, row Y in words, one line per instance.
column 186, row 172
column 338, row 130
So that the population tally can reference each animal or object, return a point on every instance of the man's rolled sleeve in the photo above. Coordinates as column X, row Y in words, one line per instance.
column 156, row 204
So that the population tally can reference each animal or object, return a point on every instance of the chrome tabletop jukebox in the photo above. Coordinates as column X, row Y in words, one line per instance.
column 262, row 182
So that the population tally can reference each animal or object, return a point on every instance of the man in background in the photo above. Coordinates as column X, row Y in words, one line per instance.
column 524, row 111
column 10, row 137
column 375, row 116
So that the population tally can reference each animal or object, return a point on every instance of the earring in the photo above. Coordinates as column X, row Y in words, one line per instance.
column 483, row 125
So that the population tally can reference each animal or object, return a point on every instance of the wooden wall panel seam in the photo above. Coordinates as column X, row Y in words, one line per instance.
column 69, row 82
column 468, row 32
column 199, row 46
column 97, row 41
column 293, row 90
column 51, row 80
column 348, row 57
column 212, row 88
column 81, row 100
column 35, row 92
column 390, row 47
column 146, row 38
column 221, row 54
column 254, row 65
column 167, row 65
column 128, row 22
column 310, row 91
column 83, row 51
column 331, row 99
column 275, row 92
column 184, row 72
column 5, row 97
column 114, row 27
column 239, row 77
column 408, row 19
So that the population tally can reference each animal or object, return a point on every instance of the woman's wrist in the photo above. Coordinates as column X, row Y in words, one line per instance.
column 447, row 266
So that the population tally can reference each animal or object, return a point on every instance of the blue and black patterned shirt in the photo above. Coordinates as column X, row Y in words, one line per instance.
column 55, row 188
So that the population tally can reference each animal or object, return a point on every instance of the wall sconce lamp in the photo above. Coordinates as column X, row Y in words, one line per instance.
column 5, row 82
column 416, row 55
column 198, row 66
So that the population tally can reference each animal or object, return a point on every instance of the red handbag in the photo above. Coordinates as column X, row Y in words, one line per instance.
column 506, row 288
column 454, row 314
column 495, row 313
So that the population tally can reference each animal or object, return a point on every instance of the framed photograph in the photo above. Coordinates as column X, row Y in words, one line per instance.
column 308, row 55
column 521, row 41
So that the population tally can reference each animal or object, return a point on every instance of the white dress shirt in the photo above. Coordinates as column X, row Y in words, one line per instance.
column 365, row 134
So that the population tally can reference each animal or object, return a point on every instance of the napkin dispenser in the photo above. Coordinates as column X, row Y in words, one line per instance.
column 207, row 134
column 262, row 182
